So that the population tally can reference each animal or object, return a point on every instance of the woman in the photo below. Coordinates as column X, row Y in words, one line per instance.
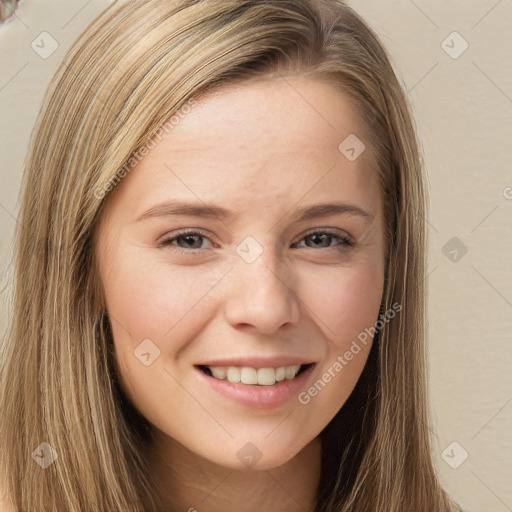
column 255, row 370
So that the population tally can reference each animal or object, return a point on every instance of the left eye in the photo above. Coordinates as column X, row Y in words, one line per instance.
column 192, row 240
column 323, row 236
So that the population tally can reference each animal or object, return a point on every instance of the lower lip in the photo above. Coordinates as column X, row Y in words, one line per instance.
column 260, row 396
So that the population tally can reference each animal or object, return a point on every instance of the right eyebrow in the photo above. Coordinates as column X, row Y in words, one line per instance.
column 185, row 208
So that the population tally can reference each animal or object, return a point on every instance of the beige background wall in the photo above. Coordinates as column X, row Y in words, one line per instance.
column 462, row 101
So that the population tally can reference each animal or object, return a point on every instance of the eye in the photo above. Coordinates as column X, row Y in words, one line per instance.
column 321, row 238
column 190, row 239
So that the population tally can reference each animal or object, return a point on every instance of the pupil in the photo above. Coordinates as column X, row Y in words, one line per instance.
column 187, row 239
column 323, row 236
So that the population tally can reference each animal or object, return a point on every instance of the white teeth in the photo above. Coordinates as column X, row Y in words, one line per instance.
column 280, row 373
column 252, row 376
column 218, row 371
column 233, row 374
column 267, row 376
column 291, row 371
column 248, row 376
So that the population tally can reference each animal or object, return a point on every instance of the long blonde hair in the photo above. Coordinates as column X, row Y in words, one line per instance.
column 125, row 76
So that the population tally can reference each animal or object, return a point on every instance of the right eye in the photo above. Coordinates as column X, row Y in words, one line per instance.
column 188, row 237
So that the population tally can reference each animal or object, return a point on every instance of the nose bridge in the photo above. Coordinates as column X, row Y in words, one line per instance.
column 262, row 292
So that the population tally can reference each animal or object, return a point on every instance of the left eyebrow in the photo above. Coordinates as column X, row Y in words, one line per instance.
column 327, row 209
column 211, row 211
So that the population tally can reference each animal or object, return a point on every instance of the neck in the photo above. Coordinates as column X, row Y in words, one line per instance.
column 194, row 484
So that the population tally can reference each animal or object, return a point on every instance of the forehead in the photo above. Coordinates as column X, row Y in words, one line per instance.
column 299, row 112
column 253, row 144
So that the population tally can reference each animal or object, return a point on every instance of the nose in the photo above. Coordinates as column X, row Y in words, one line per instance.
column 261, row 295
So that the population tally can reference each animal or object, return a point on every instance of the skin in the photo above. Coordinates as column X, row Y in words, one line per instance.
column 264, row 150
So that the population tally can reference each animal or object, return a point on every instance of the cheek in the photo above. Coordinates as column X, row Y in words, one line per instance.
column 149, row 300
column 152, row 300
column 347, row 305
column 347, row 302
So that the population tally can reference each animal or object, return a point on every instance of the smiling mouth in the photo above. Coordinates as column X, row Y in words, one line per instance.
column 255, row 376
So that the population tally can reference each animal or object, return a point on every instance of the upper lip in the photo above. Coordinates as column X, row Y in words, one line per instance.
column 258, row 362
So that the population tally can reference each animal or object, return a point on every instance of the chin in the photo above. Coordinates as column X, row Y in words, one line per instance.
column 256, row 456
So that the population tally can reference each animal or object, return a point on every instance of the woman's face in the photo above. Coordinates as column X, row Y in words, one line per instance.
column 218, row 256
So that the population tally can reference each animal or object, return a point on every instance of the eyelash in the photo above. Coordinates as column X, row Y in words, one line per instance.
column 345, row 241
